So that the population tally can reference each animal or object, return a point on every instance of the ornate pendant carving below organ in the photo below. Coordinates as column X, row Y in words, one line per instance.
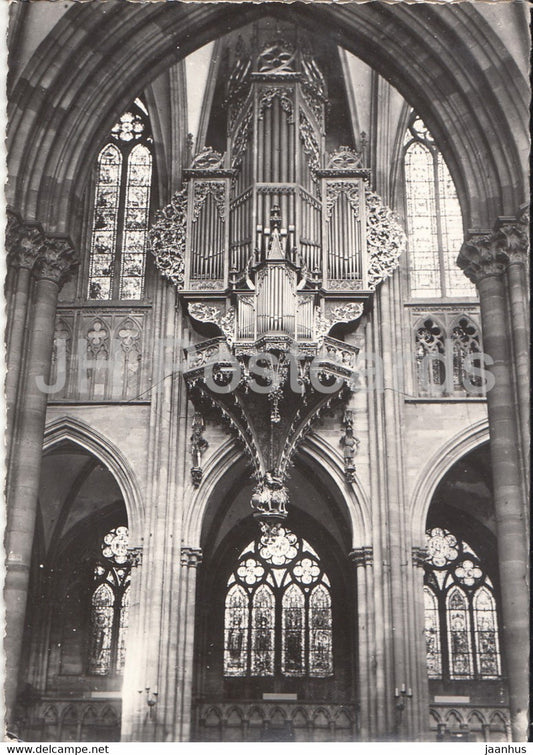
column 273, row 244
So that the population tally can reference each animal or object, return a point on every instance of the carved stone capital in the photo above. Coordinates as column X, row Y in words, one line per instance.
column 512, row 236
column 481, row 256
column 23, row 242
column 135, row 556
column 489, row 253
column 57, row 260
column 419, row 554
column 191, row 556
column 363, row 556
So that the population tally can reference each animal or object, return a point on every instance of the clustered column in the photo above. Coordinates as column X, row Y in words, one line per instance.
column 31, row 333
column 23, row 247
column 363, row 559
column 191, row 558
column 496, row 263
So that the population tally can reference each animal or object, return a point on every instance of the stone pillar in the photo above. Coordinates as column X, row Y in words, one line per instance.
column 366, row 639
column 190, row 560
column 55, row 261
column 130, row 688
column 24, row 243
column 512, row 236
column 397, row 624
column 419, row 706
column 485, row 259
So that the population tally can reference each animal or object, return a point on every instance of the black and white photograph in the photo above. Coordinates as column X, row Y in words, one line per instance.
column 266, row 416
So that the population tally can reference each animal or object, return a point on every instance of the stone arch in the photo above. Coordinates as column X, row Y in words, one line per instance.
column 483, row 135
column 354, row 496
column 69, row 428
column 434, row 470
column 224, row 458
column 315, row 449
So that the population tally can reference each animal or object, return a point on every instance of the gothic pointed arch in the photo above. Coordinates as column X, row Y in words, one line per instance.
column 73, row 429
column 421, row 75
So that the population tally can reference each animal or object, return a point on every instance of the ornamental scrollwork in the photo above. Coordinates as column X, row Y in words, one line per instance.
column 225, row 319
column 207, row 158
column 342, row 313
column 345, row 158
column 385, row 239
column 167, row 239
column 241, row 139
column 341, row 284
column 285, row 99
column 334, row 189
column 309, row 142
column 202, row 189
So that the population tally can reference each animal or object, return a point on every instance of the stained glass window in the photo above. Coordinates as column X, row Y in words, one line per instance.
column 486, row 633
column 236, row 631
column 110, row 605
column 121, row 210
column 103, row 602
column 278, row 617
column 263, row 618
column 293, row 632
column 432, row 634
column 459, row 637
column 435, row 228
column 320, row 632
column 461, row 623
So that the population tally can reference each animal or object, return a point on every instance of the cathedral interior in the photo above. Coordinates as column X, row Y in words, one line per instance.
column 267, row 372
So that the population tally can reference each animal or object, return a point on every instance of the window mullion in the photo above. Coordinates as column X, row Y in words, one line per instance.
column 443, row 629
column 439, row 219
column 473, row 638
column 115, row 632
column 117, row 266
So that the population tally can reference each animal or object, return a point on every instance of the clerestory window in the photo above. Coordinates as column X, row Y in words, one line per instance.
column 121, row 209
column 434, row 222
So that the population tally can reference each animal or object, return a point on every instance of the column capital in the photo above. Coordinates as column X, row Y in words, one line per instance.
column 487, row 253
column 191, row 556
column 363, row 556
column 23, row 241
column 481, row 256
column 419, row 554
column 57, row 260
column 512, row 234
column 135, row 556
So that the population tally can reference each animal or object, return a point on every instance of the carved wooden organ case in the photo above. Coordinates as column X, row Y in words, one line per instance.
column 273, row 244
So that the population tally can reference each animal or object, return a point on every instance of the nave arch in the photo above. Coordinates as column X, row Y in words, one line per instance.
column 77, row 91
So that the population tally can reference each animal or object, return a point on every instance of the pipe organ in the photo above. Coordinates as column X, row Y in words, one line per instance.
column 277, row 234
column 272, row 244
column 275, row 158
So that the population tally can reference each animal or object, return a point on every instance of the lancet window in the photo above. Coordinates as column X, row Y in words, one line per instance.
column 109, row 605
column 434, row 222
column 278, row 617
column 461, row 618
column 121, row 209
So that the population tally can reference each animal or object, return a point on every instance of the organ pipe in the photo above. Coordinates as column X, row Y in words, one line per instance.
column 273, row 137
